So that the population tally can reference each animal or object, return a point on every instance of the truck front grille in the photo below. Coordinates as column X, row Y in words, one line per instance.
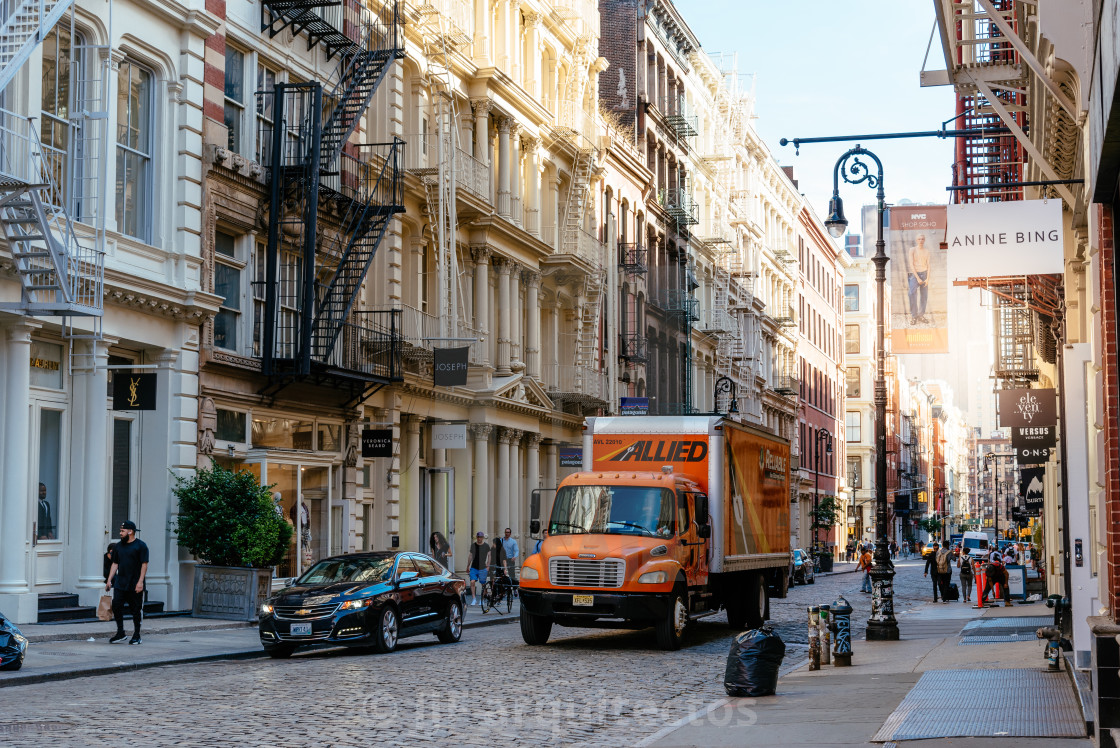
column 581, row 572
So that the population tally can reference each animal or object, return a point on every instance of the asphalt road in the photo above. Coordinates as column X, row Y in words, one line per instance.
column 585, row 688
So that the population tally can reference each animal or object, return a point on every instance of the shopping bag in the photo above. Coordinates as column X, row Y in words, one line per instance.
column 105, row 608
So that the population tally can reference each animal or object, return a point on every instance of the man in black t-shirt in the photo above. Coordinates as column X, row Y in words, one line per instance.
column 126, row 577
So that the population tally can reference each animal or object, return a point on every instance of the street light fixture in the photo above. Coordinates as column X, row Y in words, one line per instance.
column 825, row 436
column 882, row 625
column 725, row 384
column 989, row 458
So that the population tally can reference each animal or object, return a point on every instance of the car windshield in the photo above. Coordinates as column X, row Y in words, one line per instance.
column 614, row 510
column 364, row 570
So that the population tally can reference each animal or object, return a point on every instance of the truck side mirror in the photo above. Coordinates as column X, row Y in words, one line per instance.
column 701, row 504
column 704, row 531
column 534, row 526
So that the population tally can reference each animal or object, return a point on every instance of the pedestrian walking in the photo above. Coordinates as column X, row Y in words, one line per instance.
column 995, row 573
column 511, row 552
column 894, row 550
column 478, row 564
column 865, row 564
column 126, row 578
column 440, row 549
column 939, row 570
column 965, row 564
column 850, row 551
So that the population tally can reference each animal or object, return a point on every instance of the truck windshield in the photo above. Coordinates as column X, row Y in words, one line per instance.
column 614, row 510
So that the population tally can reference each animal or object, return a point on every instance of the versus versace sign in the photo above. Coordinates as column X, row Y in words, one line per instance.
column 377, row 442
column 450, row 366
column 134, row 391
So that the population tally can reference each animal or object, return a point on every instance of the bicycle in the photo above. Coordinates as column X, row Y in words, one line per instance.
column 494, row 593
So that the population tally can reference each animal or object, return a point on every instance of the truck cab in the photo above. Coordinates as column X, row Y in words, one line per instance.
column 624, row 550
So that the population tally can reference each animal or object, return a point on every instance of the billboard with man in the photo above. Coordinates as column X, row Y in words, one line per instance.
column 919, row 283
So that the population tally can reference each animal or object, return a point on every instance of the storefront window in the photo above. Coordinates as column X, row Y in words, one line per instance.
column 121, row 476
column 231, row 426
column 285, row 433
column 330, row 437
column 50, row 436
column 46, row 365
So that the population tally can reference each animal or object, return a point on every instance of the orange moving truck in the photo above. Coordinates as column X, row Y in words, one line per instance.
column 672, row 518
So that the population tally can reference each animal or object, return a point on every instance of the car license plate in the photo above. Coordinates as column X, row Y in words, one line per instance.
column 301, row 629
column 583, row 600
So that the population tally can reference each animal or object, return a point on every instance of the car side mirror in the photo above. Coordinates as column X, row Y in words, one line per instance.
column 408, row 576
column 534, row 527
column 704, row 531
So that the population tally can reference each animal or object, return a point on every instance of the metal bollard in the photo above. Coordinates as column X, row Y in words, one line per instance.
column 814, row 638
column 841, row 612
column 826, row 635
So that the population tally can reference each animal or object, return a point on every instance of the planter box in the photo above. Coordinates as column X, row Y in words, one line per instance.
column 825, row 562
column 231, row 592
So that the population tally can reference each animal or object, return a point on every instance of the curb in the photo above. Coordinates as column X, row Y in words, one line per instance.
column 42, row 638
column 31, row 678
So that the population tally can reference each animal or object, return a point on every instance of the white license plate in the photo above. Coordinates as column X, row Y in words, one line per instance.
column 583, row 600
column 301, row 629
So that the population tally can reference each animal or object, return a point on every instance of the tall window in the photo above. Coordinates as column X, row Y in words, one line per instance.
column 852, row 382
column 227, row 284
column 134, row 150
column 288, row 297
column 266, row 81
column 852, row 425
column 235, row 98
column 855, row 473
column 851, row 298
column 56, row 131
column 851, row 338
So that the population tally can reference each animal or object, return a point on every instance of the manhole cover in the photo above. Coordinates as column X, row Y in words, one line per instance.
column 1024, row 622
column 998, row 638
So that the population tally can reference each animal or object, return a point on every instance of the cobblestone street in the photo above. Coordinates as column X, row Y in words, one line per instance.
column 586, row 688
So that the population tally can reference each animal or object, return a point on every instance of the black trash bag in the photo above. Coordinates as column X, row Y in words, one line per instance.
column 753, row 663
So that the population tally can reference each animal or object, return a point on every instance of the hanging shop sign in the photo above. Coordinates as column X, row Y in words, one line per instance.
column 919, row 283
column 1031, row 488
column 134, row 391
column 1027, row 408
column 450, row 366
column 634, row 406
column 377, row 442
column 571, row 457
column 1018, row 237
column 1031, row 455
column 449, row 436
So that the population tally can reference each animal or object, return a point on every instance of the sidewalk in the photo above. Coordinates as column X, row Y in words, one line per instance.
column 75, row 650
column 929, row 688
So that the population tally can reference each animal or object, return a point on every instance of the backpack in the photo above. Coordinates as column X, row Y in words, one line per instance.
column 943, row 562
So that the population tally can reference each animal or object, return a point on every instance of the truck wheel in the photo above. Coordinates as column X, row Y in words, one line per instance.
column 756, row 601
column 670, row 629
column 535, row 629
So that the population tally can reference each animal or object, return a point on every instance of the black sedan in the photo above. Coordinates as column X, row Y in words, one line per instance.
column 13, row 645
column 364, row 599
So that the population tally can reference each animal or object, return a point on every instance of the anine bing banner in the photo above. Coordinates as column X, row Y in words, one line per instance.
column 1031, row 488
column 377, row 442
column 1019, row 237
column 919, row 283
column 134, row 391
column 449, row 436
column 450, row 366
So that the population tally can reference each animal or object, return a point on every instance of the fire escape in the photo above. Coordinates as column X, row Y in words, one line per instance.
column 634, row 265
column 47, row 191
column 313, row 329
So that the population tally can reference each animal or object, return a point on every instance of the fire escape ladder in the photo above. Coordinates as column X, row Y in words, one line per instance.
column 23, row 29
column 377, row 197
column 364, row 66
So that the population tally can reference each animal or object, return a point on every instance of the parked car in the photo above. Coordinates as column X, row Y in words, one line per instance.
column 13, row 645
column 929, row 549
column 364, row 599
column 802, row 567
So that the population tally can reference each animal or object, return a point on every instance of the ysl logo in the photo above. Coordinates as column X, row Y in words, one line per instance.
column 133, row 398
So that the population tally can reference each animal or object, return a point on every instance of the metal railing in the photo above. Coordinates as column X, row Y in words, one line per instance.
column 573, row 121
column 580, row 382
column 370, row 344
column 472, row 175
column 717, row 320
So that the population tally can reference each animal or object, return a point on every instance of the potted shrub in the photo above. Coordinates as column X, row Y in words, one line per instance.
column 229, row 522
column 824, row 516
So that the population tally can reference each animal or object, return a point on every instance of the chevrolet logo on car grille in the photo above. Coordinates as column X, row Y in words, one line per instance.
column 303, row 612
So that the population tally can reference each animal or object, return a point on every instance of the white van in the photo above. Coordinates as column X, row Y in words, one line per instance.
column 975, row 544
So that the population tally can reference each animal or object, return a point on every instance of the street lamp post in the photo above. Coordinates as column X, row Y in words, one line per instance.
column 882, row 625
column 989, row 458
column 725, row 384
column 826, row 436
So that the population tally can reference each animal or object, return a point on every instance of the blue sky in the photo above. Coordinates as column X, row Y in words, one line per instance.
column 838, row 67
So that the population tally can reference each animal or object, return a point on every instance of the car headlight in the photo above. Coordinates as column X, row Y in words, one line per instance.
column 266, row 609
column 653, row 577
column 528, row 572
column 357, row 604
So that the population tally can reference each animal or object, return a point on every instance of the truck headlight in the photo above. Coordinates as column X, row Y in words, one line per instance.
column 653, row 577
column 528, row 572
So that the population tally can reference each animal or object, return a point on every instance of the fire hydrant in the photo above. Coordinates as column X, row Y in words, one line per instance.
column 826, row 635
column 814, row 638
column 1053, row 634
column 841, row 625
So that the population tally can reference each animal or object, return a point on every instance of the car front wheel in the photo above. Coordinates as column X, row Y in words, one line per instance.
column 387, row 630
column 452, row 629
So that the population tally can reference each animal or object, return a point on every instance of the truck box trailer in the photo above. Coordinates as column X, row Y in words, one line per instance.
column 670, row 519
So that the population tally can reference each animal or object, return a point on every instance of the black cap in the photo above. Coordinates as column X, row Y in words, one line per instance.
column 128, row 525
